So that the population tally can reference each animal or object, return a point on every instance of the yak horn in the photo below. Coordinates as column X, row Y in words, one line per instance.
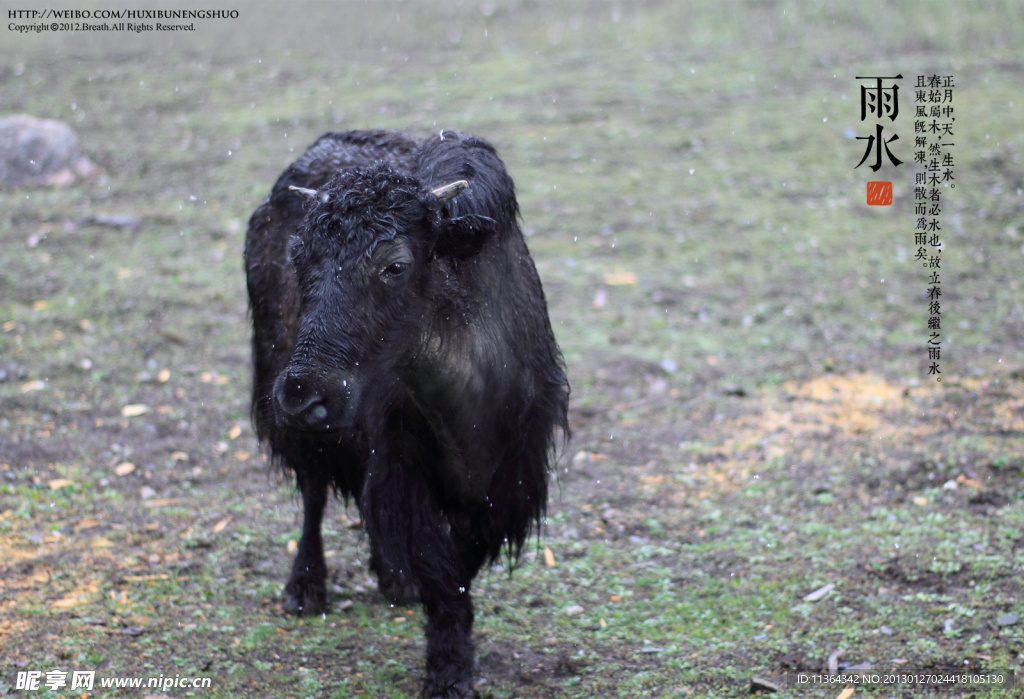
column 308, row 193
column 447, row 193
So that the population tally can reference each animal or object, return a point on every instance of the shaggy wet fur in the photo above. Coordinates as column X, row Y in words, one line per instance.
column 403, row 356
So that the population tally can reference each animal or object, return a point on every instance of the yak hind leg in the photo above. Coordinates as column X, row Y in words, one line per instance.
column 305, row 594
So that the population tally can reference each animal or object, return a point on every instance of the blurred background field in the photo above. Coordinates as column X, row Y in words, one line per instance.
column 753, row 417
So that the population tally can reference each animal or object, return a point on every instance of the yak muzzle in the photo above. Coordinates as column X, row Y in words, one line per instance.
column 308, row 401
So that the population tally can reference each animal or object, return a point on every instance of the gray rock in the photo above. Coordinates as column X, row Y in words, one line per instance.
column 40, row 152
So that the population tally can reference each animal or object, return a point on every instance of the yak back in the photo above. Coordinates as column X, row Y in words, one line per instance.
column 336, row 151
column 488, row 376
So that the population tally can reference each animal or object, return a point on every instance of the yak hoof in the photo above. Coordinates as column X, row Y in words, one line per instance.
column 460, row 690
column 304, row 599
column 398, row 590
column 396, row 587
column 451, row 681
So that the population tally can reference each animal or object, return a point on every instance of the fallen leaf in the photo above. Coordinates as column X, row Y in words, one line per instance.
column 33, row 386
column 242, row 456
column 146, row 578
column 292, row 546
column 652, row 480
column 833, row 661
column 164, row 376
column 134, row 410
column 820, row 593
column 70, row 601
column 219, row 526
column 970, row 482
column 124, row 468
column 179, row 456
column 759, row 684
column 40, row 306
column 615, row 598
column 619, row 277
column 58, row 483
column 235, row 432
column 162, row 503
column 574, row 610
column 602, row 623
column 549, row 557
column 82, row 596
column 585, row 457
column 920, row 500
column 214, row 378
column 846, row 693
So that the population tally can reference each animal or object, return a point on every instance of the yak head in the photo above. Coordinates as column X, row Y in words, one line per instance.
column 364, row 258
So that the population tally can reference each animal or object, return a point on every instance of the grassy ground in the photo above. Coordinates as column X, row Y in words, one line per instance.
column 753, row 418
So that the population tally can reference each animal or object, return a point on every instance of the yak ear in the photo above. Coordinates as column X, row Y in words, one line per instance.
column 464, row 236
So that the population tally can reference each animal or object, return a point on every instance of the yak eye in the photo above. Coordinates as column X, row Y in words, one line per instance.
column 395, row 270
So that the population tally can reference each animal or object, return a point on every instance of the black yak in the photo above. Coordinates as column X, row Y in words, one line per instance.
column 403, row 356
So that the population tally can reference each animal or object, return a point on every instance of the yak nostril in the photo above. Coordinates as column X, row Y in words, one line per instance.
column 296, row 395
column 302, row 402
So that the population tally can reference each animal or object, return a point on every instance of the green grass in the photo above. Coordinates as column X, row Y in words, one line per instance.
column 701, row 148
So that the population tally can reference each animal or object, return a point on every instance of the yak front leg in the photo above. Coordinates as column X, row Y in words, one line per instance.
column 449, row 642
column 305, row 593
column 412, row 542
